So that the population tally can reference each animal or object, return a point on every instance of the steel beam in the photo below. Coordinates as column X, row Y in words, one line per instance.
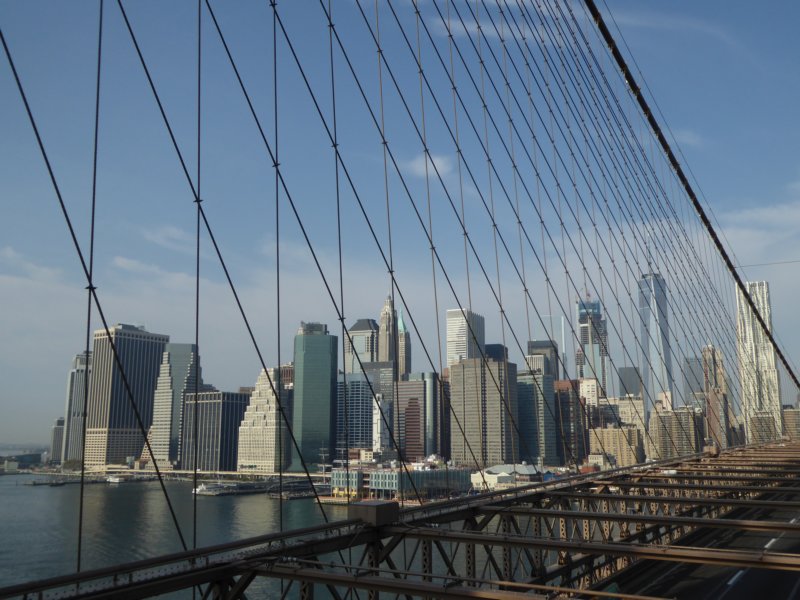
column 759, row 559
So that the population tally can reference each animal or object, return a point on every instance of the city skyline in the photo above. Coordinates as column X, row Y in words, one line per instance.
column 149, row 254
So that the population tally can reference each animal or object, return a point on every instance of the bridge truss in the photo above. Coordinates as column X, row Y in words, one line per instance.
column 565, row 538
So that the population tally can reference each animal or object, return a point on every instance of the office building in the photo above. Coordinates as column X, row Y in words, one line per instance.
column 417, row 416
column 547, row 349
column 623, row 446
column 693, row 382
column 717, row 404
column 483, row 397
column 113, row 432
column 761, row 395
column 592, row 353
column 571, row 430
column 314, row 404
column 791, row 423
column 675, row 433
column 355, row 397
column 656, row 368
column 630, row 410
column 57, row 442
column 403, row 347
column 77, row 385
column 538, row 417
column 387, row 332
column 362, row 345
column 178, row 375
column 382, row 420
column 215, row 417
column 465, row 335
column 264, row 443
column 630, row 381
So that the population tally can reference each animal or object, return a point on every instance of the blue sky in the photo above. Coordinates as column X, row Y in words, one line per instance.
column 725, row 81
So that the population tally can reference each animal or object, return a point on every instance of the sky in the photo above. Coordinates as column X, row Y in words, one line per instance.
column 725, row 83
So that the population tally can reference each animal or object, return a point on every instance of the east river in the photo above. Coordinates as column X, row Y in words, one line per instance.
column 125, row 522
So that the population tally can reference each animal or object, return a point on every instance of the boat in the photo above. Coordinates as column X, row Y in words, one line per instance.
column 116, row 479
column 214, row 489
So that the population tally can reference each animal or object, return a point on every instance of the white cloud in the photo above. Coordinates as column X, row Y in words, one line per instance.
column 170, row 237
column 13, row 260
column 687, row 137
column 443, row 163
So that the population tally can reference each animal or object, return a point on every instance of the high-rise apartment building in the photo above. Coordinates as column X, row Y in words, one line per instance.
column 362, row 345
column 178, row 375
column 592, row 353
column 264, row 444
column 77, row 384
column 314, row 404
column 656, row 368
column 465, row 335
column 761, row 394
column 113, row 432
column 215, row 417
column 483, row 397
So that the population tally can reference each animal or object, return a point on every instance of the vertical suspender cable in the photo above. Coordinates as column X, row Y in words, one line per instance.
column 197, row 200
column 279, row 386
column 90, row 288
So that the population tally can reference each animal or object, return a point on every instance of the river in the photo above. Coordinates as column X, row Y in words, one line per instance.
column 125, row 522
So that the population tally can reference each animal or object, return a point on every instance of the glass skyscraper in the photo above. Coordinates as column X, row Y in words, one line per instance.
column 656, row 367
column 314, row 407
column 592, row 354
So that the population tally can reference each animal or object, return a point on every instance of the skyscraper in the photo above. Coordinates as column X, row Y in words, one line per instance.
column 387, row 332
column 761, row 395
column 363, row 344
column 72, row 448
column 656, row 368
column 417, row 424
column 630, row 381
column 353, row 418
column 264, row 444
column 176, row 378
column 717, row 404
column 549, row 350
column 483, row 396
column 403, row 347
column 113, row 432
column 592, row 354
column 314, row 405
column 537, row 414
column 217, row 415
column 693, row 389
column 57, row 442
column 465, row 335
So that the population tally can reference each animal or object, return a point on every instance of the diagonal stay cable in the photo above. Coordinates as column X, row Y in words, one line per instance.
column 92, row 289
column 90, row 286
column 217, row 249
